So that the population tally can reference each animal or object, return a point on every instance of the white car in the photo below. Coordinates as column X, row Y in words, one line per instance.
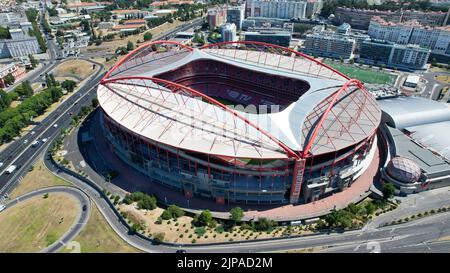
column 56, row 125
column 44, row 139
column 32, row 132
column 25, row 141
column 35, row 143
column 2, row 207
column 1, row 164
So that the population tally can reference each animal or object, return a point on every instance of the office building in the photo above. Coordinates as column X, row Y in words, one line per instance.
column 235, row 15
column 228, row 32
column 331, row 46
column 281, row 38
column 405, row 57
column 284, row 9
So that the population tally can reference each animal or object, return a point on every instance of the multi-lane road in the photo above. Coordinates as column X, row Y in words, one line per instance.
column 22, row 155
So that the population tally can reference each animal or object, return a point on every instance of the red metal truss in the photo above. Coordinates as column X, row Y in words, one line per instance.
column 276, row 49
column 330, row 102
column 177, row 88
column 142, row 50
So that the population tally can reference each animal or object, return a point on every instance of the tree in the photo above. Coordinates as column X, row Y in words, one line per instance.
column 69, row 85
column 94, row 102
column 24, row 89
column 236, row 214
column 148, row 36
column 130, row 46
column 264, row 224
column 9, row 79
column 4, row 33
column 33, row 61
column 388, row 190
column 203, row 219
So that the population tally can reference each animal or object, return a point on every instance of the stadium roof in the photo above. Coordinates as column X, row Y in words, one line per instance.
column 333, row 114
column 402, row 112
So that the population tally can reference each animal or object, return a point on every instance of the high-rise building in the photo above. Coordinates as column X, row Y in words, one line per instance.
column 313, row 7
column 333, row 46
column 216, row 17
column 285, row 9
column 235, row 15
column 228, row 32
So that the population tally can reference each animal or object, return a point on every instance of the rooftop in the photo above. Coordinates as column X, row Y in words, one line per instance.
column 402, row 112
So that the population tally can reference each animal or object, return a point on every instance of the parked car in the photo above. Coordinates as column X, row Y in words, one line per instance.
column 44, row 139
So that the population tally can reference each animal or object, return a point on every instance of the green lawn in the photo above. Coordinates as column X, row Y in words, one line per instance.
column 366, row 76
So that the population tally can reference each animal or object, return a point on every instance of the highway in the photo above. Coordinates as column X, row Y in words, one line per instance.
column 22, row 155
column 80, row 221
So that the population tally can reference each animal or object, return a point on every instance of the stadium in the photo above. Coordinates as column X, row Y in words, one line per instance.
column 238, row 122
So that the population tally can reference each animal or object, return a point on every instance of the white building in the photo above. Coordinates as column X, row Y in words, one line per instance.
column 332, row 46
column 285, row 9
column 412, row 32
column 228, row 32
column 19, row 47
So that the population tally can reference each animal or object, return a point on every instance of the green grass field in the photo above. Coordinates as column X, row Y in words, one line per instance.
column 366, row 76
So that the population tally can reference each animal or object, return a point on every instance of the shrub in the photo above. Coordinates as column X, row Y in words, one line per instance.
column 219, row 229
column 193, row 241
column 159, row 237
column 200, row 231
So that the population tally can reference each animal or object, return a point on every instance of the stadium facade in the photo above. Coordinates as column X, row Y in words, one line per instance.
column 243, row 122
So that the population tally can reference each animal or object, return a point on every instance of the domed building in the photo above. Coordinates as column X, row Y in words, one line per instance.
column 404, row 170
column 404, row 173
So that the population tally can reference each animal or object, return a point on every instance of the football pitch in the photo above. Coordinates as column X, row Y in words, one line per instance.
column 364, row 75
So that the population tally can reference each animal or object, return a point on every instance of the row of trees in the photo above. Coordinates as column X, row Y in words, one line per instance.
column 32, row 16
column 12, row 120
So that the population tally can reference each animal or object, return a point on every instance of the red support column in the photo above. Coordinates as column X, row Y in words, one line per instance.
column 297, row 179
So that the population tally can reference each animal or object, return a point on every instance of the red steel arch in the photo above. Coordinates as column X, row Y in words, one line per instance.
column 131, row 53
column 300, row 54
column 335, row 96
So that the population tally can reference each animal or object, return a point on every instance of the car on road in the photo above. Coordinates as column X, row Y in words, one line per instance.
column 11, row 169
column 180, row 251
column 84, row 207
column 35, row 143
column 2, row 207
column 55, row 125
column 32, row 132
column 44, row 139
column 1, row 164
column 25, row 141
